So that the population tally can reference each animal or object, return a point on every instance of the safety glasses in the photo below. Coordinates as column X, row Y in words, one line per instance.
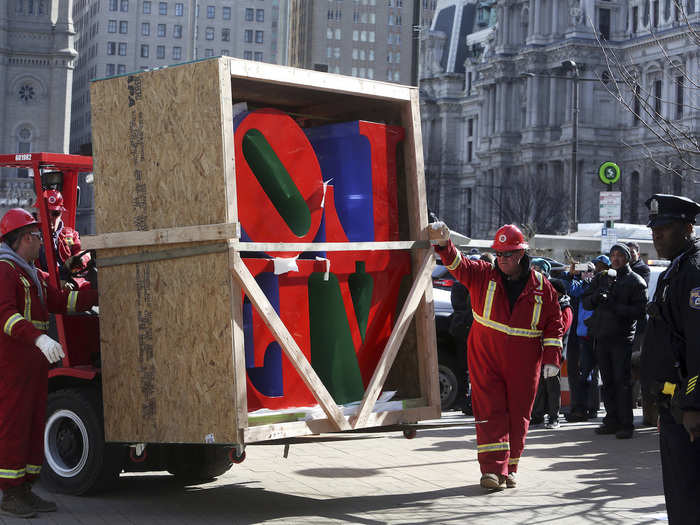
column 505, row 255
column 38, row 235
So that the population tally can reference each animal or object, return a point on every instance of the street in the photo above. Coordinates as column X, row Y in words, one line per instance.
column 570, row 475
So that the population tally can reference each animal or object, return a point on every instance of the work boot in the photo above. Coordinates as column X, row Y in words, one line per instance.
column 37, row 503
column 511, row 481
column 606, row 429
column 624, row 433
column 15, row 504
column 493, row 481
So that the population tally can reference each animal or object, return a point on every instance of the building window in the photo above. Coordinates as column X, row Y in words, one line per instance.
column 123, row 27
column 121, row 68
column 657, row 96
column 110, row 70
column 259, row 15
column 258, row 56
column 161, row 30
column 329, row 33
column 122, row 49
column 337, row 33
column 635, row 19
column 209, row 33
column 604, row 23
column 225, row 35
column 634, row 197
column 177, row 31
column 208, row 53
column 112, row 26
column 249, row 14
column 655, row 12
column 225, row 52
column 637, row 104
column 177, row 53
column 179, row 9
column 226, row 13
column 113, row 5
column 679, row 96
column 248, row 55
column 147, row 7
column 655, row 181
column 211, row 11
column 259, row 37
column 248, row 36
column 144, row 50
column 124, row 6
column 162, row 8
column 111, row 48
column 160, row 52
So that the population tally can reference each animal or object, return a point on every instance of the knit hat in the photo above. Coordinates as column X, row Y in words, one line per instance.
column 623, row 248
column 542, row 264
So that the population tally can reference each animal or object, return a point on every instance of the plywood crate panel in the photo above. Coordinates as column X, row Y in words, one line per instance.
column 163, row 153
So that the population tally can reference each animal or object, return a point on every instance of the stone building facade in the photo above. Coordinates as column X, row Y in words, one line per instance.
column 497, row 108
column 36, row 70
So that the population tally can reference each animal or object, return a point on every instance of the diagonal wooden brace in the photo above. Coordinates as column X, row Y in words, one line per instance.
column 397, row 334
column 288, row 344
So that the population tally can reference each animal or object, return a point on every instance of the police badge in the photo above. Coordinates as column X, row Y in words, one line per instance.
column 653, row 207
column 694, row 301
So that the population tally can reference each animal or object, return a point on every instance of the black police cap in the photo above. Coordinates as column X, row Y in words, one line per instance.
column 664, row 209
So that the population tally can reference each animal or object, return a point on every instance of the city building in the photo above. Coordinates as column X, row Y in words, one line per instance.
column 36, row 70
column 121, row 36
column 361, row 38
column 498, row 81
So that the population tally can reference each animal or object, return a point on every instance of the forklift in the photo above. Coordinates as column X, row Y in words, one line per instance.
column 77, row 458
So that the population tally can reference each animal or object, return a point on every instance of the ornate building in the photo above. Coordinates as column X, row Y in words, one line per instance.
column 36, row 71
column 497, row 99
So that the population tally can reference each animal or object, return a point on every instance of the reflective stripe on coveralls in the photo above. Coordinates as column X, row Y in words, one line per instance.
column 513, row 461
column 490, row 447
column 33, row 469
column 455, row 263
column 691, row 384
column 12, row 474
column 11, row 322
column 72, row 302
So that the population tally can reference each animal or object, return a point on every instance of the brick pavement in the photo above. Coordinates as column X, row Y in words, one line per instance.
column 567, row 476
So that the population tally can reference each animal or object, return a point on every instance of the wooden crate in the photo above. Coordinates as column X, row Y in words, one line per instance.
column 171, row 275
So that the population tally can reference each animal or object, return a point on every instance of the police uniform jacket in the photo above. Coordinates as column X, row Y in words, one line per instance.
column 673, row 331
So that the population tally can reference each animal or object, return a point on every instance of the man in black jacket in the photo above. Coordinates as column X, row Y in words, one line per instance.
column 637, row 265
column 671, row 354
column 618, row 299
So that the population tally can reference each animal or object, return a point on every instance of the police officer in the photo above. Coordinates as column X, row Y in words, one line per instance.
column 671, row 353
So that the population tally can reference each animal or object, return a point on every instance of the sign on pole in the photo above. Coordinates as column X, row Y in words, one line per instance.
column 608, row 238
column 609, row 173
column 610, row 205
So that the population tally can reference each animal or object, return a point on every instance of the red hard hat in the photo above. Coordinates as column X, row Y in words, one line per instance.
column 14, row 219
column 54, row 200
column 509, row 238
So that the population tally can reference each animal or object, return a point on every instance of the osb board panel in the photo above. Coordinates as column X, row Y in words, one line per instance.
column 166, row 350
column 157, row 149
column 166, row 325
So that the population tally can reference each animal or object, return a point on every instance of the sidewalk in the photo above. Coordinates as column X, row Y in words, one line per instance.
column 570, row 475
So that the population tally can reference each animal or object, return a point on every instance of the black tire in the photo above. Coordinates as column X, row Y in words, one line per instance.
column 198, row 463
column 77, row 460
column 448, row 386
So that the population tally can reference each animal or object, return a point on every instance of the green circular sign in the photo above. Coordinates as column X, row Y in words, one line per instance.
column 609, row 173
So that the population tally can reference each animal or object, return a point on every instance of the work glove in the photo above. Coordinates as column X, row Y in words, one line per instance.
column 51, row 349
column 550, row 371
column 439, row 232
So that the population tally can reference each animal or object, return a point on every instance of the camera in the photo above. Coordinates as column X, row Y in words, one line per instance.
column 610, row 277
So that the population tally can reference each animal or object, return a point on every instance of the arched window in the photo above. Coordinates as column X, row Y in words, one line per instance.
column 677, row 184
column 634, row 197
column 655, row 181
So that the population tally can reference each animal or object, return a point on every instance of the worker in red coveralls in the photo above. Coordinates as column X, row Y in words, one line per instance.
column 25, row 354
column 517, row 331
column 66, row 241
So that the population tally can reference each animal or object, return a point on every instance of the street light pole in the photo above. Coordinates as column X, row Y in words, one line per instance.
column 573, row 226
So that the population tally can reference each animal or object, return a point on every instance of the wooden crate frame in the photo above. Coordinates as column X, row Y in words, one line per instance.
column 318, row 97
